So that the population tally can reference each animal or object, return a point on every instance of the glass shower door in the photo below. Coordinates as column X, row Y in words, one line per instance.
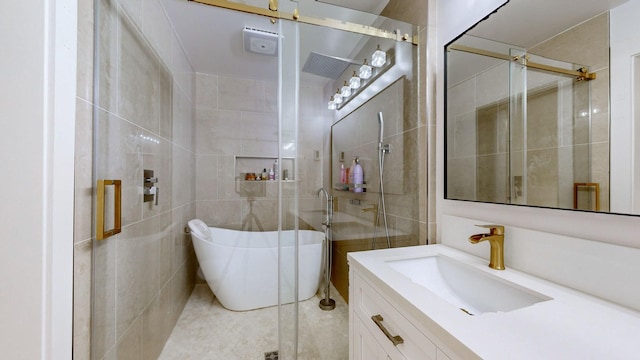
column 181, row 142
column 551, row 137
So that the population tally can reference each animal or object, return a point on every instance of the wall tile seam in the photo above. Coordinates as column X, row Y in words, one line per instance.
column 119, row 117
column 142, row 35
column 181, row 50
column 156, row 296
column 163, row 213
column 182, row 91
column 406, row 218
column 125, row 333
column 169, row 141
column 86, row 101
column 187, row 95
column 179, row 146
column 168, row 65
column 179, row 267
column 84, row 242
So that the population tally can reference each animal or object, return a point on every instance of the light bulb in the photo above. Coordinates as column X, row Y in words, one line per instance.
column 365, row 71
column 345, row 91
column 332, row 104
column 355, row 81
column 337, row 98
column 379, row 58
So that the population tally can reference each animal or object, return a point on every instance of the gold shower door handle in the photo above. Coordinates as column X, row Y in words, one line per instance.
column 101, row 233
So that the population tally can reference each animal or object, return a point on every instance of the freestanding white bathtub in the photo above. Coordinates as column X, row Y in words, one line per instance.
column 241, row 267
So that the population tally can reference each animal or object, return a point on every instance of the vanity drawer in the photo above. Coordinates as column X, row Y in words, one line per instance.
column 369, row 303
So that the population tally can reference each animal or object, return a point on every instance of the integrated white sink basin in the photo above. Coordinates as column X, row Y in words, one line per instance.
column 472, row 290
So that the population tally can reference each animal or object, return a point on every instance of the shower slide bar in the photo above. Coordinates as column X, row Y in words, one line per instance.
column 580, row 74
column 273, row 13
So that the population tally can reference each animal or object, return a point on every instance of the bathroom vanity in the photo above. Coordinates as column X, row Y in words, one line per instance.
column 436, row 302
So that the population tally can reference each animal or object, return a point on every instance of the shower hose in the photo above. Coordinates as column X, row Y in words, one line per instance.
column 382, row 149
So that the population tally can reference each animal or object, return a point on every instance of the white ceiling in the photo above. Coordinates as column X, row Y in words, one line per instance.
column 524, row 23
column 212, row 37
column 527, row 23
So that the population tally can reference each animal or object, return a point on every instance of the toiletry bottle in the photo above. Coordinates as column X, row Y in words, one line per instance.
column 343, row 174
column 271, row 174
column 347, row 174
column 264, row 175
column 350, row 174
column 358, row 177
column 275, row 170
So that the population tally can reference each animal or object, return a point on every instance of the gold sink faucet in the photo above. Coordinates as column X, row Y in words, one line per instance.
column 496, row 240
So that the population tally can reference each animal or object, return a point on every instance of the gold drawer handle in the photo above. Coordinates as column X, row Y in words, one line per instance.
column 396, row 340
column 117, row 226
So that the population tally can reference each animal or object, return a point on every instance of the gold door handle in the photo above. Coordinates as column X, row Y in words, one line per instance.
column 101, row 233
column 396, row 340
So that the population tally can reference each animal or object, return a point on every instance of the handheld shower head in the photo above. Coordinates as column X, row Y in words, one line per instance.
column 381, row 123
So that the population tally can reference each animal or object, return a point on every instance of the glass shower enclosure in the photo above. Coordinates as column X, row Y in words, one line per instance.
column 177, row 138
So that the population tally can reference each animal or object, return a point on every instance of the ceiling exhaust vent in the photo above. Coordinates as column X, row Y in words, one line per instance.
column 260, row 41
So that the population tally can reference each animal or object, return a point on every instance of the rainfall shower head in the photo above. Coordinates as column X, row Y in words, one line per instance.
column 326, row 66
column 260, row 41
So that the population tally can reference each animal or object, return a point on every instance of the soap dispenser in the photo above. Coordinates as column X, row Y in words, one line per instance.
column 358, row 177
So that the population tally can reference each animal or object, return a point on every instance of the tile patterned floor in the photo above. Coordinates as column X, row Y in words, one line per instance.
column 206, row 330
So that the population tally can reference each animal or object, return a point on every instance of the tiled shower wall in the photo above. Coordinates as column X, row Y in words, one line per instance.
column 238, row 117
column 356, row 136
column 145, row 274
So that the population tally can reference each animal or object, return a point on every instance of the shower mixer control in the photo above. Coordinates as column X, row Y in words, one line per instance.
column 150, row 192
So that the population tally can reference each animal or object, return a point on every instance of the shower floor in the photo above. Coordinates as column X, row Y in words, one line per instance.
column 206, row 330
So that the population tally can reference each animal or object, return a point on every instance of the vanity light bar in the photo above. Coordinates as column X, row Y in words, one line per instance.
column 580, row 74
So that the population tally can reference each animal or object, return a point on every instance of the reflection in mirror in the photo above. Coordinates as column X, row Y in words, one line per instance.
column 528, row 107
column 358, row 217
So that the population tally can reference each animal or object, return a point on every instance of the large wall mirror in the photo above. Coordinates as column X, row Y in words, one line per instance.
column 541, row 98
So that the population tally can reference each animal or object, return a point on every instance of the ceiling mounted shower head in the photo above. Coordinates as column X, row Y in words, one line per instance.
column 326, row 66
column 260, row 41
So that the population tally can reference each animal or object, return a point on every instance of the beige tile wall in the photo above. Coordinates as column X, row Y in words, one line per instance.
column 237, row 116
column 356, row 135
column 587, row 44
column 145, row 274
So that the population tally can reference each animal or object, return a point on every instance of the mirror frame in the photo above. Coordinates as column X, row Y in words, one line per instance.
column 446, row 188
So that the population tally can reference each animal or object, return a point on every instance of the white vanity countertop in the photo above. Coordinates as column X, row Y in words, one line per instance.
column 572, row 325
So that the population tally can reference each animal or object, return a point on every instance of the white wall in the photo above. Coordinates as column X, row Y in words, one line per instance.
column 37, row 114
column 603, row 228
column 625, row 47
